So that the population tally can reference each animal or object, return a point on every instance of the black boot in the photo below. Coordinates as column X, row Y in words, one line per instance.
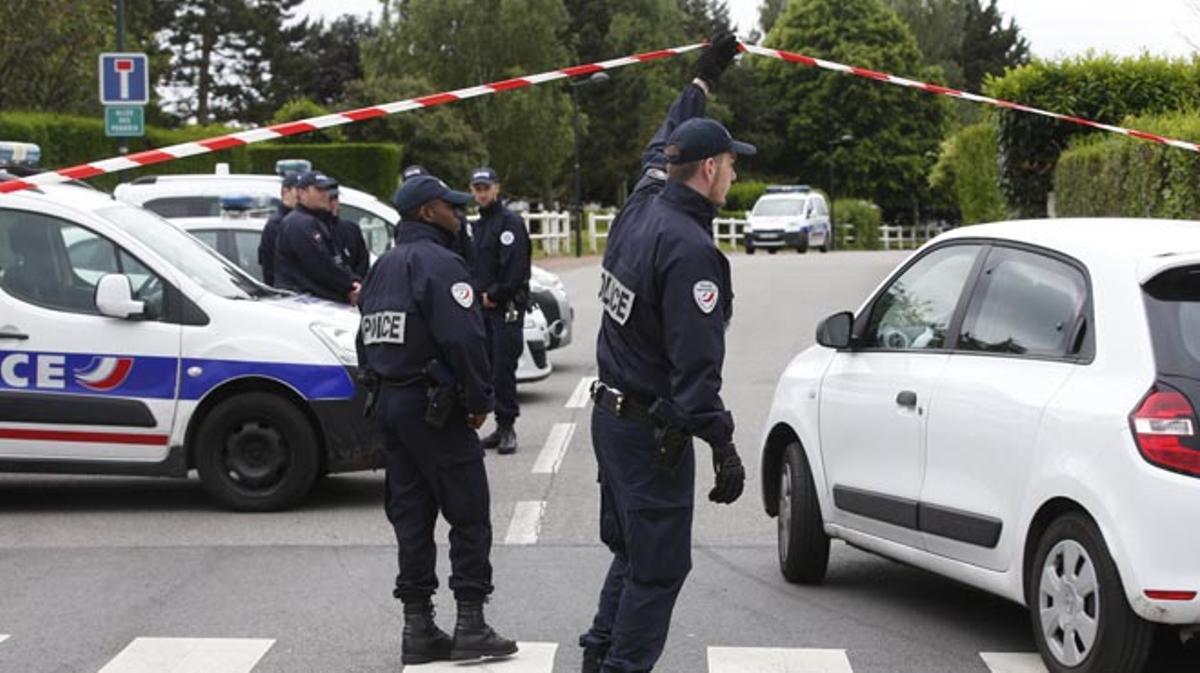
column 493, row 440
column 593, row 661
column 474, row 639
column 508, row 440
column 423, row 640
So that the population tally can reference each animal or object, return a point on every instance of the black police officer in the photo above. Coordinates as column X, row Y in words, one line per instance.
column 348, row 237
column 270, row 232
column 464, row 243
column 665, row 291
column 307, row 259
column 422, row 334
column 502, row 252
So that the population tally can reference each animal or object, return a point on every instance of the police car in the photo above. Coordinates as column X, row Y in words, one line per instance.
column 788, row 216
column 1014, row 408
column 127, row 347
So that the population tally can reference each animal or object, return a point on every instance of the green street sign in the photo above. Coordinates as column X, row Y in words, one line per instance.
column 124, row 121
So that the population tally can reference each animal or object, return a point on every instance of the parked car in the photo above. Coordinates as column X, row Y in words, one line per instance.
column 788, row 217
column 551, row 296
column 1015, row 409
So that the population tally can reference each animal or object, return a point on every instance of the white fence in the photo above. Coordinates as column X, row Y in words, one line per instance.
column 552, row 230
column 725, row 230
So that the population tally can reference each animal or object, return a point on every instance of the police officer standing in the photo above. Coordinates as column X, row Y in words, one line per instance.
column 348, row 237
column 422, row 337
column 270, row 232
column 307, row 259
column 463, row 243
column 665, row 291
column 502, row 252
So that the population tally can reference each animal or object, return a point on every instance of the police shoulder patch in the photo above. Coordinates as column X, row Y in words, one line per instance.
column 706, row 293
column 463, row 293
column 507, row 238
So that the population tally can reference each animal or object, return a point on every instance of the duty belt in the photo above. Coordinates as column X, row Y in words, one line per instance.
column 621, row 405
column 404, row 382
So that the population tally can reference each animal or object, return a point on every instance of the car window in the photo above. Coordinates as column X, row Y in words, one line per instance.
column 374, row 228
column 1173, row 308
column 56, row 264
column 184, row 206
column 1024, row 304
column 822, row 209
column 246, row 244
column 914, row 312
column 207, row 236
column 779, row 207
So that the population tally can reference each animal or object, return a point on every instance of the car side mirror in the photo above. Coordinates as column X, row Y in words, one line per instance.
column 114, row 298
column 835, row 331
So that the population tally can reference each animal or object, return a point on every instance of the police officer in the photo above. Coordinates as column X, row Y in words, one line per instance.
column 422, row 335
column 463, row 243
column 348, row 237
column 270, row 233
column 665, row 291
column 502, row 252
column 307, row 259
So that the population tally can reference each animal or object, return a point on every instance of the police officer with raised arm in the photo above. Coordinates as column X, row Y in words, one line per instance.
column 666, row 296
column 307, row 259
column 502, row 271
column 422, row 343
column 270, row 232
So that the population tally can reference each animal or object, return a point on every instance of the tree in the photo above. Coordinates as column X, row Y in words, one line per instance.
column 968, row 40
column 768, row 14
column 896, row 130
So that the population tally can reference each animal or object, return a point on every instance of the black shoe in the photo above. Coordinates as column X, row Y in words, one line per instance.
column 508, row 440
column 493, row 440
column 423, row 640
column 474, row 639
column 593, row 661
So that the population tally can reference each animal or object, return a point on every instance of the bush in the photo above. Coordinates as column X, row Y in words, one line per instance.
column 968, row 169
column 742, row 195
column 371, row 167
column 303, row 108
column 866, row 218
column 1102, row 88
column 1116, row 176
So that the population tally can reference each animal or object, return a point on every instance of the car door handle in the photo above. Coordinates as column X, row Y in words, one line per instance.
column 907, row 398
column 12, row 333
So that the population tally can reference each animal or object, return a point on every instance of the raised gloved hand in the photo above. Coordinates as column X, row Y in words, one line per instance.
column 731, row 476
column 716, row 57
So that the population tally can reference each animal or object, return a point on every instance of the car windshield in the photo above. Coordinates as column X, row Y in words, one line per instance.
column 779, row 207
column 204, row 266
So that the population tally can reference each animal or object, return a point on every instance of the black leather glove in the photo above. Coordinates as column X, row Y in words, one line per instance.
column 716, row 57
column 731, row 476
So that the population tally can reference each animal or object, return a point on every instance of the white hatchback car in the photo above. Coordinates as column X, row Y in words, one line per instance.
column 1014, row 408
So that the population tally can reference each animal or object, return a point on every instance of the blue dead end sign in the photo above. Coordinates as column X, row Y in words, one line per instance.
column 124, row 79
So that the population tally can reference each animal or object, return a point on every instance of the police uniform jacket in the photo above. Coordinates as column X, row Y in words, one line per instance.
column 266, row 244
column 307, row 258
column 351, row 246
column 502, row 252
column 418, row 305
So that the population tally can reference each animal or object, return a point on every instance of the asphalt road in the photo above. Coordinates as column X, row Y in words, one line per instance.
column 93, row 570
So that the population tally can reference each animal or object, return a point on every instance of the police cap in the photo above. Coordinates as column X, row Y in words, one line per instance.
column 701, row 138
column 484, row 176
column 414, row 171
column 422, row 189
column 315, row 179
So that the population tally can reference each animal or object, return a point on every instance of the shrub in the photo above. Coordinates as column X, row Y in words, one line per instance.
column 866, row 219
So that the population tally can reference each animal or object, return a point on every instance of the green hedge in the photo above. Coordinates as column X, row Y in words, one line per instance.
column 1102, row 88
column 1116, row 176
column 743, row 195
column 371, row 167
column 866, row 218
column 968, row 169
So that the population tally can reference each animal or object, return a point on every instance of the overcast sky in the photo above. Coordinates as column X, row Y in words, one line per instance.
column 1053, row 27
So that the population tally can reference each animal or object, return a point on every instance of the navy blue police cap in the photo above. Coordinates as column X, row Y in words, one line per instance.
column 315, row 179
column 422, row 189
column 414, row 171
column 484, row 176
column 290, row 180
column 701, row 138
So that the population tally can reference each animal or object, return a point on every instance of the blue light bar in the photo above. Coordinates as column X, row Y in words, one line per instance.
column 285, row 166
column 19, row 154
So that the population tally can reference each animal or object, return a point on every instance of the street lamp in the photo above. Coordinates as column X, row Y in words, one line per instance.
column 846, row 139
column 596, row 78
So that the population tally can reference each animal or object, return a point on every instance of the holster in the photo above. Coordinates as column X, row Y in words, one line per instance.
column 443, row 393
column 671, row 440
column 372, row 382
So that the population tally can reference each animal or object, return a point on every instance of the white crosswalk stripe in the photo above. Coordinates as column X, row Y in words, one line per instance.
column 189, row 655
column 555, row 448
column 3, row 637
column 1013, row 662
column 531, row 658
column 526, row 522
column 776, row 660
column 582, row 395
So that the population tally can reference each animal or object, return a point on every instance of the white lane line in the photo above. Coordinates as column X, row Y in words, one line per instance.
column 3, row 637
column 1013, row 662
column 526, row 522
column 189, row 655
column 776, row 660
column 530, row 658
column 583, row 393
column 555, row 449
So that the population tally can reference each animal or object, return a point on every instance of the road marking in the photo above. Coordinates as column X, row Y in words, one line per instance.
column 189, row 655
column 776, row 660
column 1013, row 662
column 531, row 658
column 3, row 637
column 583, row 393
column 555, row 448
column 526, row 522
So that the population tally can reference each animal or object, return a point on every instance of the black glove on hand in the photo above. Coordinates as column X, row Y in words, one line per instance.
column 731, row 476
column 716, row 57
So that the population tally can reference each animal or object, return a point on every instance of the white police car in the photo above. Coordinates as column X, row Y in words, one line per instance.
column 127, row 347
column 791, row 216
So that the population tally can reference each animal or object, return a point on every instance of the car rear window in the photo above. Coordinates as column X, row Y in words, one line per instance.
column 1173, row 309
column 778, row 207
column 172, row 207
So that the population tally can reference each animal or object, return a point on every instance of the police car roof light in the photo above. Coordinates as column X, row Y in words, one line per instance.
column 19, row 154
column 285, row 166
column 786, row 189
column 237, row 202
column 221, row 168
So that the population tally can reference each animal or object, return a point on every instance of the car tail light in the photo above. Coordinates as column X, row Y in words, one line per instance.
column 1163, row 425
column 1167, row 595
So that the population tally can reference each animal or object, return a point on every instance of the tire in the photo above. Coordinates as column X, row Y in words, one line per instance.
column 802, row 245
column 749, row 249
column 827, row 244
column 256, row 452
column 803, row 544
column 772, row 251
column 1101, row 634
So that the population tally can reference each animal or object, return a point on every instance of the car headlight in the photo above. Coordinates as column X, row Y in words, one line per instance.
column 748, row 227
column 339, row 341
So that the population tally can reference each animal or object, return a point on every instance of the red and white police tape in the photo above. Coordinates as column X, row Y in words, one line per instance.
column 151, row 157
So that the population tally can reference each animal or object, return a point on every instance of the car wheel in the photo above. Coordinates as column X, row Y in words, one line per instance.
column 803, row 544
column 802, row 244
column 827, row 243
column 772, row 251
column 256, row 452
column 749, row 249
column 1081, row 620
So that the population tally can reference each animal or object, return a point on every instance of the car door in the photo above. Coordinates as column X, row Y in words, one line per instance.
column 75, row 385
column 874, row 396
column 1026, row 329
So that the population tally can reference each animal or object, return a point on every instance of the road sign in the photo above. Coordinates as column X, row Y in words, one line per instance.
column 124, row 121
column 124, row 79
